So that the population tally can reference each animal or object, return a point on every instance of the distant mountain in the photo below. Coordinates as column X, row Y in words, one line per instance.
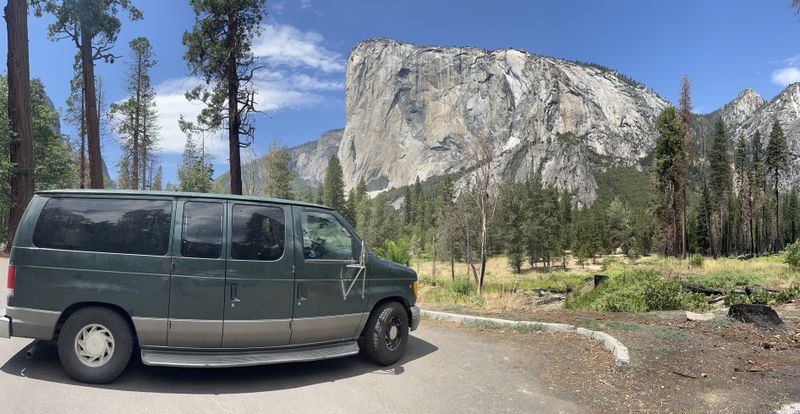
column 310, row 160
column 414, row 111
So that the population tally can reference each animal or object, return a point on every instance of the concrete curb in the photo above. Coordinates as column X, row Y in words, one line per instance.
column 620, row 351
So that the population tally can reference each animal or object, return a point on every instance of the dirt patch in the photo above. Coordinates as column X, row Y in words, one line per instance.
column 677, row 366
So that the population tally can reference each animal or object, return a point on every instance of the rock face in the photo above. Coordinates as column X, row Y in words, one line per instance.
column 739, row 110
column 416, row 111
column 310, row 160
column 785, row 108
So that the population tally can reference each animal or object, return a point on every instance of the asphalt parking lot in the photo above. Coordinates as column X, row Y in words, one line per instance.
column 446, row 369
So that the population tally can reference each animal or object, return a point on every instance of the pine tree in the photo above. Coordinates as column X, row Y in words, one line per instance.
column 446, row 223
column 758, row 182
column 278, row 175
column 219, row 49
column 620, row 226
column 685, row 117
column 670, row 157
column 408, row 207
column 512, row 214
column 349, row 211
column 157, row 180
column 566, row 226
column 19, row 115
column 93, row 27
column 196, row 172
column 777, row 162
column 136, row 117
column 742, row 167
column 720, row 187
column 333, row 195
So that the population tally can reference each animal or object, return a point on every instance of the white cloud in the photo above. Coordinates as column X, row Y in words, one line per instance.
column 281, row 44
column 786, row 76
column 300, row 73
column 275, row 90
column 305, row 4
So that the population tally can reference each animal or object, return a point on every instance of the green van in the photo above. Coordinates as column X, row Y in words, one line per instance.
column 200, row 280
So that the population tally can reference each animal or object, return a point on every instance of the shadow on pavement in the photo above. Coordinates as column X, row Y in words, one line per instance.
column 45, row 366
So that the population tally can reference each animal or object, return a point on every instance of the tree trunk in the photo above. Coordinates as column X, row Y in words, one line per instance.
column 19, row 114
column 83, row 139
column 433, row 254
column 234, row 120
column 452, row 262
column 484, row 234
column 777, row 242
column 136, row 127
column 92, row 118
column 683, row 222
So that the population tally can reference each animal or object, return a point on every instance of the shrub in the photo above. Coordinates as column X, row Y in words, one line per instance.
column 697, row 260
column 462, row 286
column 607, row 261
column 399, row 251
column 793, row 255
column 637, row 291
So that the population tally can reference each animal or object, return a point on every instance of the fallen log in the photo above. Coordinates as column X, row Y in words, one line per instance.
column 704, row 290
column 549, row 300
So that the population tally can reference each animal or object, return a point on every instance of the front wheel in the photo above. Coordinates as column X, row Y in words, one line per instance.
column 386, row 333
column 95, row 345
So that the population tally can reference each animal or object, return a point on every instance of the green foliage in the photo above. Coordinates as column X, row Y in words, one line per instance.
column 637, row 291
column 764, row 297
column 697, row 260
column 196, row 171
column 793, row 255
column 219, row 51
column 278, row 176
column 135, row 120
column 333, row 186
column 669, row 158
column 607, row 262
column 463, row 286
column 398, row 251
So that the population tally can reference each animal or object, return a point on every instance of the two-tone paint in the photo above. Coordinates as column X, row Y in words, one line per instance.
column 186, row 303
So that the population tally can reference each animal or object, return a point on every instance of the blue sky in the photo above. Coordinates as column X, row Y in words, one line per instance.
column 723, row 45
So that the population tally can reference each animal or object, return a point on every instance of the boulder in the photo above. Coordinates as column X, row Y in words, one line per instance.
column 761, row 315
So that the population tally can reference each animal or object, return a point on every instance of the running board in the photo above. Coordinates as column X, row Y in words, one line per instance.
column 223, row 359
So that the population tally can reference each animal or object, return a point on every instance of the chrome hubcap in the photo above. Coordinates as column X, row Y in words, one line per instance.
column 392, row 335
column 94, row 345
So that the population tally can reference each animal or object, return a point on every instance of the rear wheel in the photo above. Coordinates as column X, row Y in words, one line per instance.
column 95, row 345
column 386, row 334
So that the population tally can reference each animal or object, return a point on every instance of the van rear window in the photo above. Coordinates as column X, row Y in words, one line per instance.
column 105, row 225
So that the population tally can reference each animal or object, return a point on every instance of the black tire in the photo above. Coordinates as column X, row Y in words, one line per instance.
column 377, row 341
column 112, row 325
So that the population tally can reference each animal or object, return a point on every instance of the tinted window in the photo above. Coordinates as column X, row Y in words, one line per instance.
column 105, row 225
column 257, row 233
column 201, row 235
column 324, row 238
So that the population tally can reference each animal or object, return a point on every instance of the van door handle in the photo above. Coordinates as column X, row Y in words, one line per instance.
column 301, row 294
column 234, row 294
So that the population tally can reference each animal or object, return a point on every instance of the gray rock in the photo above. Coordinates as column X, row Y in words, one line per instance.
column 415, row 110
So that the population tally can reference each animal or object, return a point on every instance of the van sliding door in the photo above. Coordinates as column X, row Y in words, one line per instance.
column 260, row 281
column 198, row 275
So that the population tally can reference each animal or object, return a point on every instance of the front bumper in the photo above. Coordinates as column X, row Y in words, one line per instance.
column 5, row 325
column 415, row 316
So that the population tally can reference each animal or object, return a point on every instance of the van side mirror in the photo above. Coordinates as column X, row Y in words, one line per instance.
column 363, row 259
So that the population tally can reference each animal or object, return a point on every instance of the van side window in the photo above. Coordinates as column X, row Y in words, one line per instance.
column 105, row 225
column 201, row 235
column 258, row 233
column 325, row 238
